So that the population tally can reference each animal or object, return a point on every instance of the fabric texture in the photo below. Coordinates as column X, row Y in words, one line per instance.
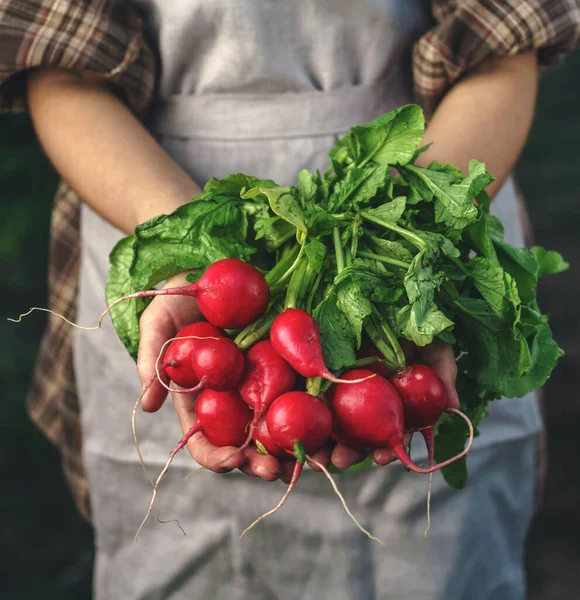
column 102, row 37
column 107, row 37
column 469, row 31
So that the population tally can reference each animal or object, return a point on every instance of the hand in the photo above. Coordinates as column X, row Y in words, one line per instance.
column 437, row 355
column 162, row 319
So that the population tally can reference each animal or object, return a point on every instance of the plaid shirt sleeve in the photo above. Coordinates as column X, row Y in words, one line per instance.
column 105, row 37
column 466, row 32
column 102, row 36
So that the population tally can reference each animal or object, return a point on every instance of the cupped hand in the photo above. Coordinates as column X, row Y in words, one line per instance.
column 160, row 321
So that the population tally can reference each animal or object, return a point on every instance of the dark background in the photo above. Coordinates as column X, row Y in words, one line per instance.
column 47, row 548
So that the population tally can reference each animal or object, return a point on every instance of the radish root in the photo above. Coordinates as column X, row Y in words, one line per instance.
column 297, row 470
column 177, row 448
column 342, row 500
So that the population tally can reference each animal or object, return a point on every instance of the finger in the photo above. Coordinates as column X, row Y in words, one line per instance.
column 161, row 320
column 344, row 457
column 214, row 458
column 385, row 456
column 261, row 465
column 322, row 455
column 440, row 357
column 287, row 469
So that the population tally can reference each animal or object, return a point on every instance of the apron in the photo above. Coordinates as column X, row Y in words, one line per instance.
column 263, row 87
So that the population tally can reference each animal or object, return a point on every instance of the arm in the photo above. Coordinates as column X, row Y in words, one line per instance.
column 101, row 149
column 486, row 116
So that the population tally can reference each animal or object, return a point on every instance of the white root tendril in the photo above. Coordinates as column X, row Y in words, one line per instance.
column 429, row 505
column 142, row 461
column 270, row 512
column 342, row 500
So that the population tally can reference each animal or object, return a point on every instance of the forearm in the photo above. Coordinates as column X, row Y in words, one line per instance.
column 486, row 116
column 102, row 151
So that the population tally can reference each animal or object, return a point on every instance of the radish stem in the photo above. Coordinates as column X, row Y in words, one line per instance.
column 338, row 250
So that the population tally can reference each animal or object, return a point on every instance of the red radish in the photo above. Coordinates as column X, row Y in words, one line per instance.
column 299, row 417
column 372, row 413
column 262, row 436
column 299, row 423
column 230, row 294
column 296, row 337
column 424, row 401
column 423, row 396
column 177, row 359
column 267, row 376
column 218, row 364
column 222, row 417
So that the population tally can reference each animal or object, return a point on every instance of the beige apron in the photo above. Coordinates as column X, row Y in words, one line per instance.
column 263, row 87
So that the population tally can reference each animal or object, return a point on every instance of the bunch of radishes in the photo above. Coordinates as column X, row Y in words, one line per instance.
column 258, row 397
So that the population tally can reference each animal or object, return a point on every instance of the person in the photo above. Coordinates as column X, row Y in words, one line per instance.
column 263, row 88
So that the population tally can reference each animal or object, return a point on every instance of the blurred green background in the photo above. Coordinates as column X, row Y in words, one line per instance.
column 47, row 547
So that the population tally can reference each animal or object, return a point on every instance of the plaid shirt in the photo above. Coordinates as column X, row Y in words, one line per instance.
column 107, row 37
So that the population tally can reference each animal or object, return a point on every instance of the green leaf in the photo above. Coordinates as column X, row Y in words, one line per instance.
column 358, row 187
column 392, row 249
column 422, row 327
column 390, row 139
column 194, row 236
column 231, row 186
column 390, row 212
column 341, row 314
column 453, row 201
column 521, row 264
column 496, row 286
column 549, row 261
column 307, row 188
column 125, row 315
column 283, row 202
column 315, row 251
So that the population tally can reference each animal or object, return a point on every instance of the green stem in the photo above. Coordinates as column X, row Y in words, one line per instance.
column 348, row 257
column 291, row 269
column 354, row 240
column 388, row 332
column 381, row 344
column 414, row 239
column 282, row 266
column 259, row 329
column 313, row 385
column 312, row 293
column 384, row 259
column 338, row 250
column 295, row 285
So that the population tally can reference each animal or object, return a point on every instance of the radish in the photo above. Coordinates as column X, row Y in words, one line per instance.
column 298, row 423
column 423, row 396
column 217, row 363
column 267, row 376
column 222, row 417
column 295, row 336
column 372, row 413
column 230, row 294
column 177, row 359
column 263, row 438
